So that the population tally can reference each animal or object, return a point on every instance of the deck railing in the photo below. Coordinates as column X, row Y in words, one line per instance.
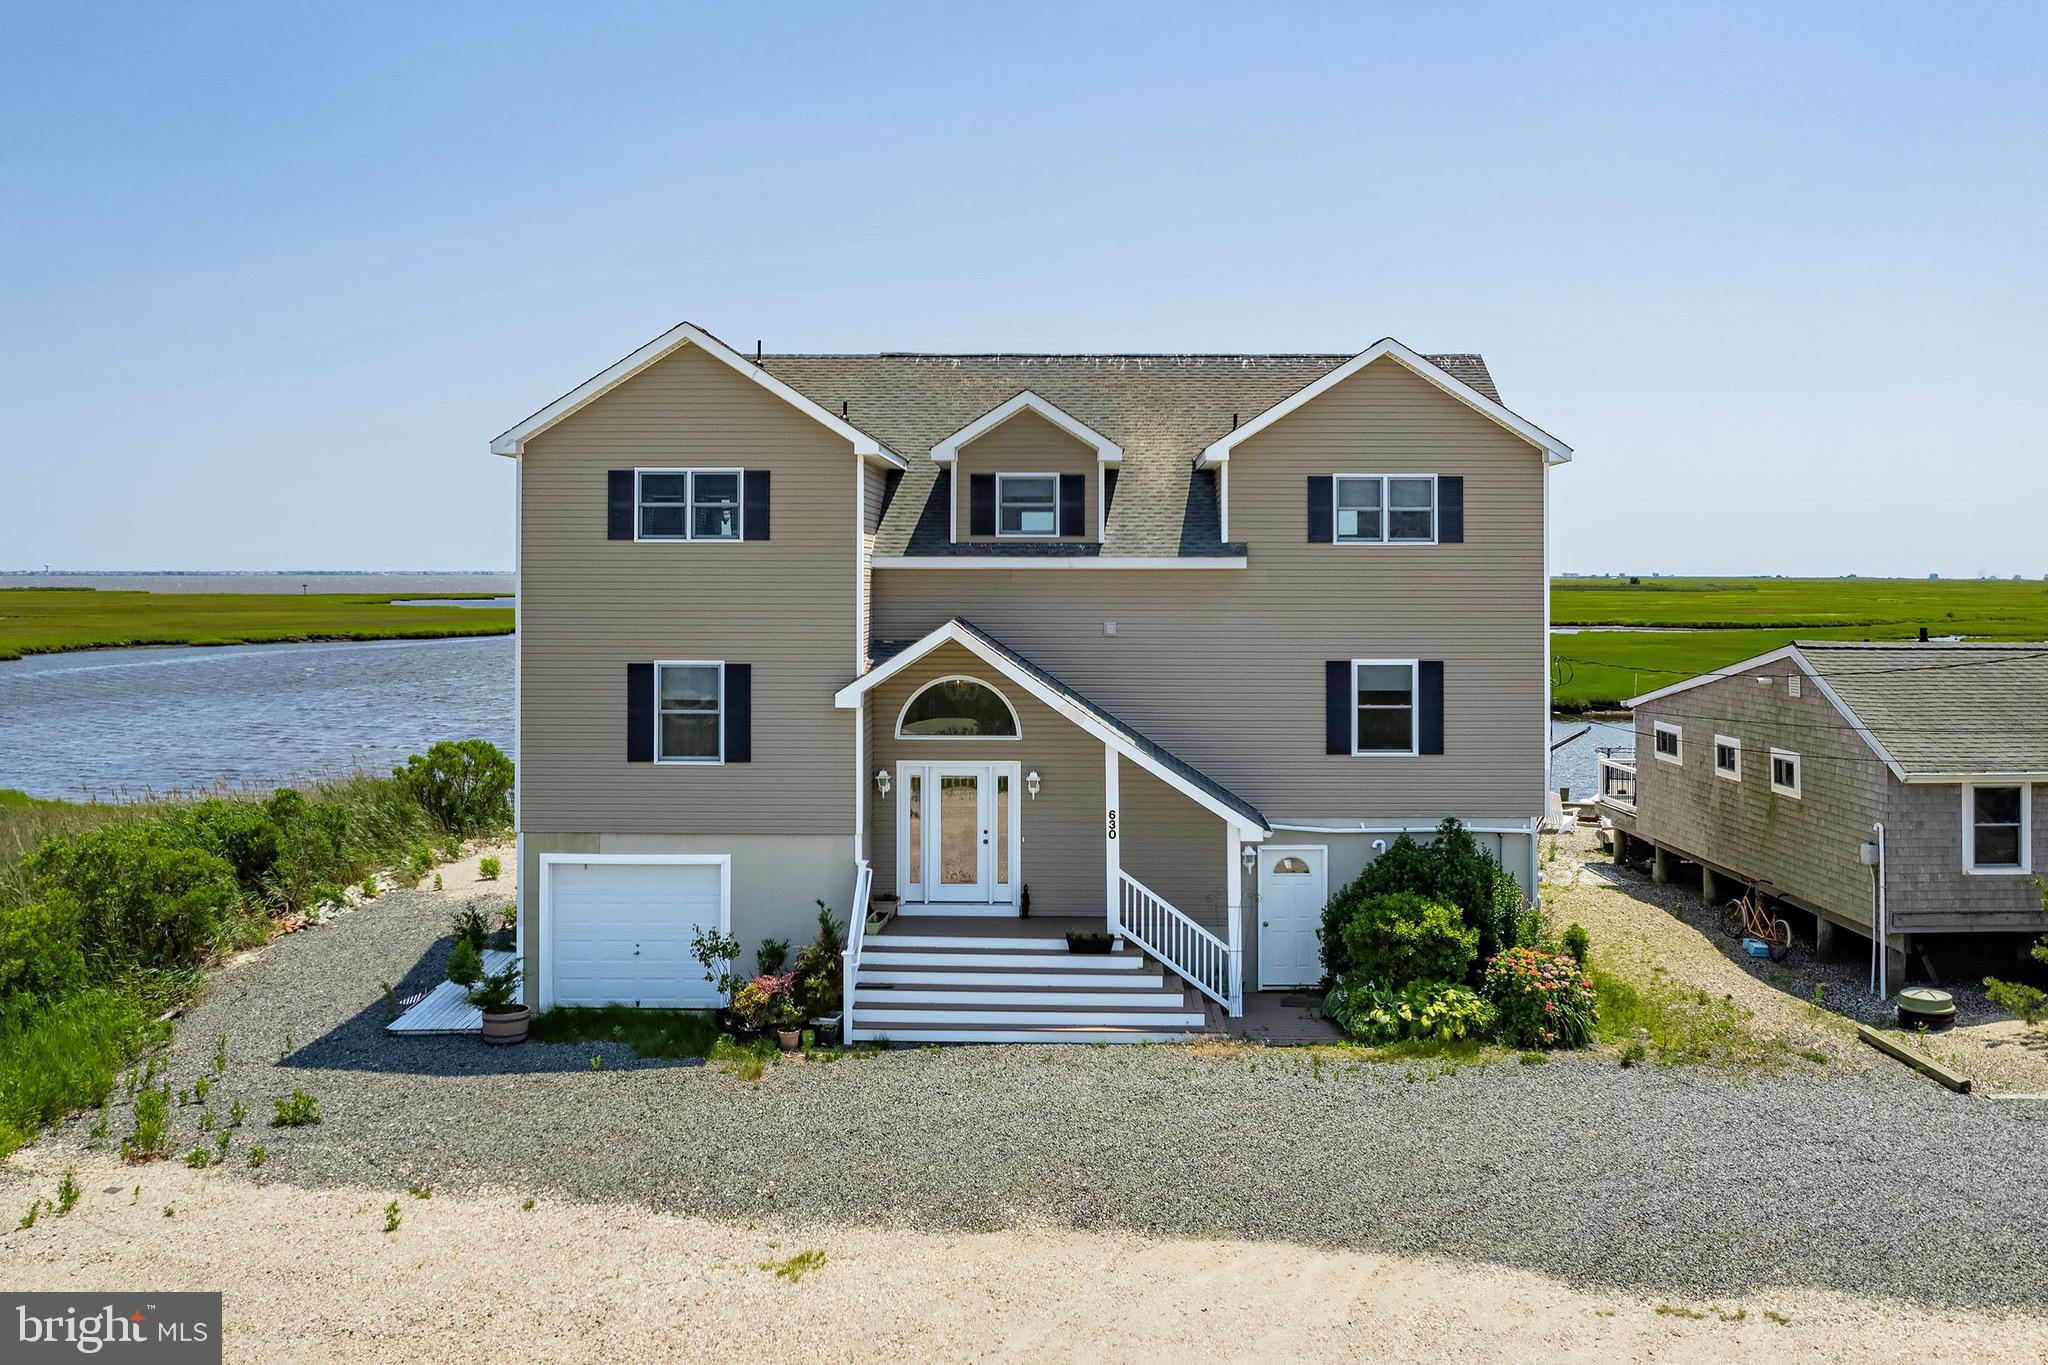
column 1205, row 961
column 856, row 936
column 1617, row 774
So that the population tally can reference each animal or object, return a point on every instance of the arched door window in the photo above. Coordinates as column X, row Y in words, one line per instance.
column 957, row 708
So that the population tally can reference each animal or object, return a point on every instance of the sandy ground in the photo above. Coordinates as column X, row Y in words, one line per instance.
column 313, row 1275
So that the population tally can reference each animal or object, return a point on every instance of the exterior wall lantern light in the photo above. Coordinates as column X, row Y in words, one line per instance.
column 882, row 781
column 1031, row 783
column 1250, row 854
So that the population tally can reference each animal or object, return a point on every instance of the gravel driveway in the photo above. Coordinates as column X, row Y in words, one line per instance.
column 1679, row 1181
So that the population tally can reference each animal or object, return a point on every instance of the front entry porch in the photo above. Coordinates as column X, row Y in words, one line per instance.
column 996, row 795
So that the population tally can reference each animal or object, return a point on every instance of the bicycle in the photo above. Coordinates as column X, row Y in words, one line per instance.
column 1747, row 916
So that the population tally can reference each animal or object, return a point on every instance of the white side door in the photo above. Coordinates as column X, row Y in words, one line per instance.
column 1294, row 883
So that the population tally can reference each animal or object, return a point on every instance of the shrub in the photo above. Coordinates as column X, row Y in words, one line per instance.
column 1394, row 939
column 1577, row 942
column 495, row 992
column 1432, row 1011
column 1453, row 869
column 465, row 963
column 40, row 956
column 465, row 787
column 772, row 955
column 473, row 927
column 819, row 971
column 488, row 868
column 299, row 1111
column 716, row 951
column 241, row 833
column 141, row 897
column 766, row 1002
column 1541, row 1000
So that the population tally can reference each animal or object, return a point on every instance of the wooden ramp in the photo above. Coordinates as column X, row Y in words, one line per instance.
column 446, row 1008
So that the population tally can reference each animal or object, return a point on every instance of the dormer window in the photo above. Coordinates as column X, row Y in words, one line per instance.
column 1027, row 505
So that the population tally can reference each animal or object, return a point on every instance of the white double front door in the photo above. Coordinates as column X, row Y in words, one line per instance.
column 956, row 832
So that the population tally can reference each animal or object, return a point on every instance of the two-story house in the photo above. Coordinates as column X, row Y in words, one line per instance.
column 1163, row 646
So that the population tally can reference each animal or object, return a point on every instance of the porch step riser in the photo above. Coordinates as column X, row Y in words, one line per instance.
column 885, row 997
column 973, row 943
column 888, row 1020
column 1029, row 1035
column 1019, row 979
column 941, row 910
column 1070, row 962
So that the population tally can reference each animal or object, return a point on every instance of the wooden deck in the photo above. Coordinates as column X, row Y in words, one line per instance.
column 446, row 1008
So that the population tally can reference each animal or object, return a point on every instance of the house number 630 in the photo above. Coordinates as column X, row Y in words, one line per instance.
column 1112, row 824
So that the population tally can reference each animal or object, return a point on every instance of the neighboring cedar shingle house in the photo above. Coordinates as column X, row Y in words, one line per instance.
column 1164, row 645
column 1851, row 777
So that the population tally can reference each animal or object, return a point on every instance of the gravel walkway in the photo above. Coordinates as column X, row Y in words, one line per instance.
column 1679, row 1181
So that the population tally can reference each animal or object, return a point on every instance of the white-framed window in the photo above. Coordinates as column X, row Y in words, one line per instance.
column 1668, row 741
column 1384, row 713
column 1027, row 504
column 1384, row 509
column 689, row 711
column 957, row 708
column 1785, row 772
column 1998, row 823
column 686, row 504
column 1728, row 757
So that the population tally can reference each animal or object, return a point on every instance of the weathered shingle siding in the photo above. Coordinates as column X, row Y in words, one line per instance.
column 1810, row 848
column 1225, row 667
column 1926, row 888
column 589, row 606
column 1026, row 444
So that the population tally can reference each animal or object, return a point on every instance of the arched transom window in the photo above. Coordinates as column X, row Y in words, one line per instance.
column 1293, row 867
column 957, row 708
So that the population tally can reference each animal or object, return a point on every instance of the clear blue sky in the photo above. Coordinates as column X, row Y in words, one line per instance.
column 272, row 275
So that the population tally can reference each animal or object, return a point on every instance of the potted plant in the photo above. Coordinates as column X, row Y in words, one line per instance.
column 1092, row 944
column 786, row 1017
column 768, row 1003
column 505, row 1019
column 819, row 971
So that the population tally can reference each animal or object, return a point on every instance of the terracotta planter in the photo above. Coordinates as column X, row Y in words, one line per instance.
column 789, row 1039
column 502, row 1030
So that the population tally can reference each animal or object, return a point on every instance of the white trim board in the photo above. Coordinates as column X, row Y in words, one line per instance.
column 513, row 441
column 1007, row 563
column 849, row 696
column 1554, row 450
column 1106, row 450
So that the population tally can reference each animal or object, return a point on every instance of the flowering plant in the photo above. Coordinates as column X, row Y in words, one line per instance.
column 1541, row 1000
column 767, row 1002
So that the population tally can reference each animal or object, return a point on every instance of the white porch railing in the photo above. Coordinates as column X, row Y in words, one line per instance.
column 856, row 936
column 1149, row 920
column 1617, row 775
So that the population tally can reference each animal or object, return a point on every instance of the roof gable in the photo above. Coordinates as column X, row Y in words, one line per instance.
column 513, row 441
column 1106, row 450
column 1554, row 450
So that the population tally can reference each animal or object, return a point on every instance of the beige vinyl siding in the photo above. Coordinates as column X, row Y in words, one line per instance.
column 1808, row 847
column 1225, row 668
column 1026, row 444
column 1926, row 889
column 1173, row 846
column 871, row 517
column 1063, row 860
column 589, row 606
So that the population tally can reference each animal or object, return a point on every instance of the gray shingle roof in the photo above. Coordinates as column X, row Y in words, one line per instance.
column 1162, row 409
column 884, row 649
column 1944, row 707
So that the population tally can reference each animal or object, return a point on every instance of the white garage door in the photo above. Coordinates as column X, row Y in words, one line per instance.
column 620, row 933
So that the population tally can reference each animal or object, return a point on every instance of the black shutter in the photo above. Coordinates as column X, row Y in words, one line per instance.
column 1073, row 503
column 1450, row 509
column 639, row 713
column 1337, row 704
column 1430, row 706
column 618, row 504
column 1321, row 516
column 981, row 504
column 1108, row 492
column 739, row 713
column 754, row 504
